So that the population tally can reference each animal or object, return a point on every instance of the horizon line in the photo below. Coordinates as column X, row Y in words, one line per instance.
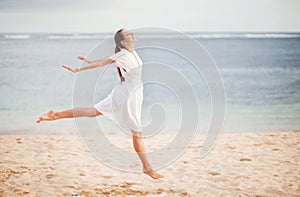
column 106, row 32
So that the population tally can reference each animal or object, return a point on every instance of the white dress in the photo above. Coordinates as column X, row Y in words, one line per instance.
column 124, row 104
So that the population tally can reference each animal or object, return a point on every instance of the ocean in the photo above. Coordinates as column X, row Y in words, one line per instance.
column 260, row 72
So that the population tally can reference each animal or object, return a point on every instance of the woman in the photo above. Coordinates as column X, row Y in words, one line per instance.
column 123, row 104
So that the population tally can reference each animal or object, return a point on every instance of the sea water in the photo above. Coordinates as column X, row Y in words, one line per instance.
column 260, row 71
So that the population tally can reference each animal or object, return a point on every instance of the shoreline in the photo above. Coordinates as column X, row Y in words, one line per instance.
column 72, row 132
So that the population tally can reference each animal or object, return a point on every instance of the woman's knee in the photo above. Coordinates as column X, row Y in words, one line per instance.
column 136, row 134
column 94, row 112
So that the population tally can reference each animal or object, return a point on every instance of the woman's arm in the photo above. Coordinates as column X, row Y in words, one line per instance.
column 86, row 60
column 120, row 74
column 101, row 62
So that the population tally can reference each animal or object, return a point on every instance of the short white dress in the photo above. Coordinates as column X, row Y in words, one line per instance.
column 124, row 104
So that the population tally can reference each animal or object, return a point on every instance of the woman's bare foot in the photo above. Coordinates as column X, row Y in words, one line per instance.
column 48, row 116
column 153, row 174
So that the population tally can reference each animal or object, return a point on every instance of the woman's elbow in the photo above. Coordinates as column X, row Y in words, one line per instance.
column 110, row 61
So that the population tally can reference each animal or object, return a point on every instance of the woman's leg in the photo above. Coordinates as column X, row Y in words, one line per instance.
column 140, row 150
column 71, row 113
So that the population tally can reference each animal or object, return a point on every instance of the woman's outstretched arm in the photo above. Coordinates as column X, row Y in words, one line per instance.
column 86, row 60
column 101, row 62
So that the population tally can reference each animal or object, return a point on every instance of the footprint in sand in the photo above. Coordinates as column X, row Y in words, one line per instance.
column 269, row 143
column 126, row 184
column 271, row 135
column 69, row 186
column 15, row 172
column 214, row 173
column 49, row 176
column 86, row 193
column 256, row 144
column 20, row 192
column 106, row 176
column 275, row 149
column 19, row 140
column 81, row 174
column 231, row 147
column 245, row 159
column 102, row 191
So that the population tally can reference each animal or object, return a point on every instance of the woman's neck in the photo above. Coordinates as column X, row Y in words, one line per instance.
column 129, row 48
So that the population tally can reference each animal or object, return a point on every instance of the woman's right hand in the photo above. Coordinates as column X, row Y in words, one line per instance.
column 74, row 70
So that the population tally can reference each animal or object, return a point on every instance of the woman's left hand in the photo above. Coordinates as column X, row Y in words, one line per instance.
column 122, row 79
column 82, row 58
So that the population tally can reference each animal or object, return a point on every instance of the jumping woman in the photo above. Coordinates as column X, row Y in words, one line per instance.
column 123, row 105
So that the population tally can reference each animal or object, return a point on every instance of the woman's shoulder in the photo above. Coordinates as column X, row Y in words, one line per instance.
column 121, row 54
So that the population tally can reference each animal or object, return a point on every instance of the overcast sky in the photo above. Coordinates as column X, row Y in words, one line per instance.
column 181, row 15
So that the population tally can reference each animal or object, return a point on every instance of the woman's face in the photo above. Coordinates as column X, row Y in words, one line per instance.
column 128, row 37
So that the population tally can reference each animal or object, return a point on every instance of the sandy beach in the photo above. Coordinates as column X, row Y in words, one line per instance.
column 248, row 164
